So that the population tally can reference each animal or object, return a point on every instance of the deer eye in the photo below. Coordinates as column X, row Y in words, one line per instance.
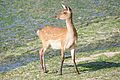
column 64, row 12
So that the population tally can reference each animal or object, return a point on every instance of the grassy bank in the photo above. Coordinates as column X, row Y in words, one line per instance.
column 98, row 27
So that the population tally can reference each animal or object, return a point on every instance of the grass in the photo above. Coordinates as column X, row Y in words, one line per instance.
column 102, row 68
column 98, row 26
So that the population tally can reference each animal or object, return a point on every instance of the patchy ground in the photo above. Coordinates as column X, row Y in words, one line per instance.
column 97, row 51
column 94, row 57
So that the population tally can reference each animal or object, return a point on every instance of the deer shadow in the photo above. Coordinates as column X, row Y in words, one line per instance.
column 94, row 66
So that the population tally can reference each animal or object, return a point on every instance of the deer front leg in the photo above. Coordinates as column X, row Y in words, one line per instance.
column 73, row 59
column 62, row 61
column 42, row 60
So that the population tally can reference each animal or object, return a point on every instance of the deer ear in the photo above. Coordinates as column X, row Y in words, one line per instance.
column 68, row 8
column 64, row 6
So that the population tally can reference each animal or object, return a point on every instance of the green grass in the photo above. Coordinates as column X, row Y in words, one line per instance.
column 98, row 27
column 102, row 68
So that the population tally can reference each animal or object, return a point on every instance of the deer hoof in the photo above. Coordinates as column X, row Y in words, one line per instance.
column 46, row 71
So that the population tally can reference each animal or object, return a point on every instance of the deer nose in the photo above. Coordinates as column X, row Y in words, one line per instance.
column 56, row 17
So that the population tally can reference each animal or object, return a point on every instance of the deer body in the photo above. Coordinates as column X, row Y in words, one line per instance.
column 53, row 36
column 59, row 38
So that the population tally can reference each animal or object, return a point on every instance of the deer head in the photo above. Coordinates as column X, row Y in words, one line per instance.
column 66, row 13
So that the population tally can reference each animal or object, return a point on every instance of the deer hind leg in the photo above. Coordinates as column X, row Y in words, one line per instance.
column 73, row 59
column 62, row 61
column 42, row 61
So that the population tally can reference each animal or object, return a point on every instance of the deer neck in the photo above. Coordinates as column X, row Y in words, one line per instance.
column 70, row 26
column 70, row 36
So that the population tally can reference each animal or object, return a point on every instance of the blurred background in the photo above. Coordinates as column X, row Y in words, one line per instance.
column 97, row 23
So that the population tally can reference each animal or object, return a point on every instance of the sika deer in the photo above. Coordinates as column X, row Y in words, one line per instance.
column 59, row 38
